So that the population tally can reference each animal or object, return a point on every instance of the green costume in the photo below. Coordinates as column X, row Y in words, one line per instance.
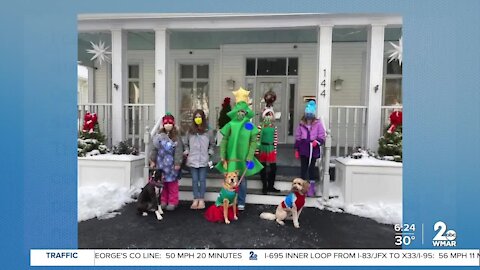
column 267, row 138
column 225, row 194
column 239, row 142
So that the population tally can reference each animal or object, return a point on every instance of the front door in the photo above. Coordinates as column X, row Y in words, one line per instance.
column 278, row 85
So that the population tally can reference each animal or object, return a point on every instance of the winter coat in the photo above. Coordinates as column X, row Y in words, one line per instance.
column 199, row 148
column 167, row 154
column 302, row 141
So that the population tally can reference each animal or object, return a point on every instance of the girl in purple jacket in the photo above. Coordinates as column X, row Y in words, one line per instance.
column 309, row 136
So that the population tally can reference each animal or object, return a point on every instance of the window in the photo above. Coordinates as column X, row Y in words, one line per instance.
column 133, row 84
column 134, row 97
column 273, row 66
column 194, row 92
column 392, row 90
column 291, row 108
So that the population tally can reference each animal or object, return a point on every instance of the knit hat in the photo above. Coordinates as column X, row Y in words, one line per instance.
column 311, row 108
column 268, row 110
column 168, row 119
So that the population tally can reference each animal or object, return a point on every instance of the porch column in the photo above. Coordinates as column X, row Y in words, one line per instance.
column 323, row 102
column 374, row 79
column 161, row 47
column 119, row 84
column 324, row 73
column 91, row 84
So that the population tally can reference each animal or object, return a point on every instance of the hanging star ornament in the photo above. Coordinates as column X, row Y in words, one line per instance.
column 397, row 52
column 241, row 95
column 99, row 52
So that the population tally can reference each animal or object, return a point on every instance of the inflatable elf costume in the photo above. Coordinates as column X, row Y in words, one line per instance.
column 267, row 149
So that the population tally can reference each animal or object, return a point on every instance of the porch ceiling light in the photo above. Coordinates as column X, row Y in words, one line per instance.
column 337, row 84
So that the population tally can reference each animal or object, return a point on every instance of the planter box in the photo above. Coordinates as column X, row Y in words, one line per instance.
column 368, row 180
column 119, row 170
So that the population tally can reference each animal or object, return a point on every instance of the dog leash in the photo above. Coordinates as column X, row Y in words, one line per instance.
column 311, row 151
column 243, row 176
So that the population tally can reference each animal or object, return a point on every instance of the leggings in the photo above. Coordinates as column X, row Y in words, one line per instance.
column 305, row 169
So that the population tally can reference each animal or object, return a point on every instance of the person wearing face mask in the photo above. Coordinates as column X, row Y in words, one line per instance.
column 267, row 150
column 239, row 143
column 199, row 143
column 309, row 136
column 167, row 155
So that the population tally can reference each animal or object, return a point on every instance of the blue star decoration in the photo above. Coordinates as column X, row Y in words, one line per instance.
column 250, row 164
column 249, row 126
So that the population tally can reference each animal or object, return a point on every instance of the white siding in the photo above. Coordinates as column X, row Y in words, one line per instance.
column 101, row 83
column 348, row 64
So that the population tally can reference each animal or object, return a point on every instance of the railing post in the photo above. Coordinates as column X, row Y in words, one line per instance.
column 326, row 165
column 146, row 141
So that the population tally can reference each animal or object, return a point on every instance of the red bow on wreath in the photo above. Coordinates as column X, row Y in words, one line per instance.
column 89, row 122
column 395, row 120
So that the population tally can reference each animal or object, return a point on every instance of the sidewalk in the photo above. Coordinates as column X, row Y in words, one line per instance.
column 185, row 228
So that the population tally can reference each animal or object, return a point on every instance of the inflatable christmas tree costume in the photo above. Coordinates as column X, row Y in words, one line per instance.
column 239, row 141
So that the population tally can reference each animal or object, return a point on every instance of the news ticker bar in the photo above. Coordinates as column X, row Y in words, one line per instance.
column 246, row 257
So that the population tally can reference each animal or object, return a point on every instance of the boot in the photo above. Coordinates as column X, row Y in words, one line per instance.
column 311, row 189
column 271, row 178
column 263, row 176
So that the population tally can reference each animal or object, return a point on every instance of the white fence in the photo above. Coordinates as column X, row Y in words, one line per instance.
column 348, row 125
column 136, row 117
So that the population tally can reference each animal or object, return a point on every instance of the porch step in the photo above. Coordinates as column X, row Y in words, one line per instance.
column 254, row 192
column 284, row 184
column 284, row 173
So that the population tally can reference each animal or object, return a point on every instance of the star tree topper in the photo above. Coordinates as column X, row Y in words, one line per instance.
column 99, row 52
column 397, row 52
column 241, row 95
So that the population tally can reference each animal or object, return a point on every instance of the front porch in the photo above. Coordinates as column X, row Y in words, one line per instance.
column 180, row 62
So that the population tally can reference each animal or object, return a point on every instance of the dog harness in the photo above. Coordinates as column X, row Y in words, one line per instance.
column 294, row 197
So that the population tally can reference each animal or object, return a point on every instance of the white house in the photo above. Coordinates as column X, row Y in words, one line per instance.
column 179, row 62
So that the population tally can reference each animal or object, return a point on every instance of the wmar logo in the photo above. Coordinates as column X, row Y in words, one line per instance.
column 444, row 238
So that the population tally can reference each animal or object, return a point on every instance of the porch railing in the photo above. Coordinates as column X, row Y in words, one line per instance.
column 348, row 125
column 104, row 118
column 137, row 117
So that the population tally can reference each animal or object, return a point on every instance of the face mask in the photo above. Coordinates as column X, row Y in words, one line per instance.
column 268, row 118
column 168, row 127
column 240, row 115
column 198, row 120
column 310, row 116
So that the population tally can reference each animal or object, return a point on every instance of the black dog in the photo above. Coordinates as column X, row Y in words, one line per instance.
column 148, row 198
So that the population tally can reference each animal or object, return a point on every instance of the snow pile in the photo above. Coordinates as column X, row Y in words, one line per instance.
column 380, row 212
column 101, row 201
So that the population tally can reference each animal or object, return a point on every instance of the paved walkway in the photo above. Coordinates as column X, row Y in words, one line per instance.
column 185, row 228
